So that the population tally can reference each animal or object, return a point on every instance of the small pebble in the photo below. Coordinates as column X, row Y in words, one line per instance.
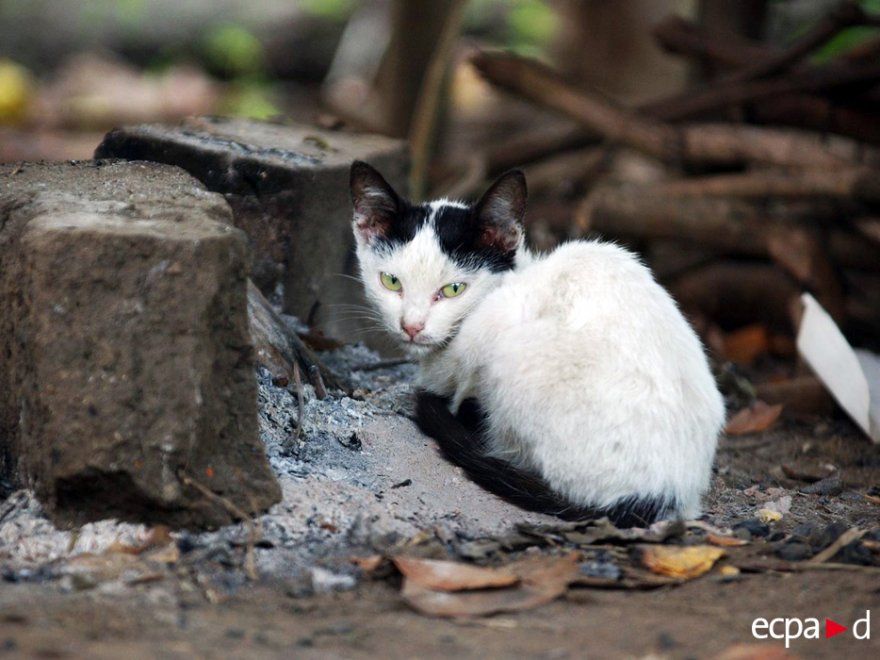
column 794, row 551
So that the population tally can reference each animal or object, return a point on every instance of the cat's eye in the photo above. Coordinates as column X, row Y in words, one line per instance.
column 452, row 290
column 390, row 282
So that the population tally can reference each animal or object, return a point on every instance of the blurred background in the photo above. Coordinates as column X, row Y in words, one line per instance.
column 633, row 119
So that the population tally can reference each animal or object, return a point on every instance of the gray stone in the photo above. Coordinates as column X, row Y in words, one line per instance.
column 125, row 361
column 288, row 188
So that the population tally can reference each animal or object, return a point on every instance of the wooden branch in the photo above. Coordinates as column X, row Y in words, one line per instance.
column 734, row 293
column 277, row 348
column 803, row 254
column 819, row 114
column 535, row 145
column 848, row 182
column 726, row 224
column 424, row 119
column 847, row 14
column 538, row 83
column 831, row 77
column 683, row 37
column 719, row 144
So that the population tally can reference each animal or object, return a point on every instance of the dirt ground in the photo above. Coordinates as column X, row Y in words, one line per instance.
column 182, row 613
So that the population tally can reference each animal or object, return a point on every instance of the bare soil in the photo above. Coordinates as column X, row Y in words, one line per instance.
column 199, row 603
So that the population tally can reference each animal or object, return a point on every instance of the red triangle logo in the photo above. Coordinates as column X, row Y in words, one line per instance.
column 833, row 628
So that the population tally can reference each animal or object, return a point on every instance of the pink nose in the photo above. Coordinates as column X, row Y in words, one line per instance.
column 412, row 329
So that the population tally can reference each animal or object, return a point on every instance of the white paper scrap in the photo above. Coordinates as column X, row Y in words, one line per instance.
column 852, row 377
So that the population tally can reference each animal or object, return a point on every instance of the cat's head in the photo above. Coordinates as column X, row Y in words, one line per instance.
column 425, row 266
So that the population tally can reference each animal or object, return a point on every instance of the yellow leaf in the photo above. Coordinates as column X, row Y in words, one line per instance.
column 680, row 562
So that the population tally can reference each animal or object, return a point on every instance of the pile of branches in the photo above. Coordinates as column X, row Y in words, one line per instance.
column 772, row 170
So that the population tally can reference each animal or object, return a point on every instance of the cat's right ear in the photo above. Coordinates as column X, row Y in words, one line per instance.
column 500, row 212
column 375, row 202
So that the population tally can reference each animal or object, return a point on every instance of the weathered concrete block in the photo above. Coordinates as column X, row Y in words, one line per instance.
column 288, row 188
column 125, row 360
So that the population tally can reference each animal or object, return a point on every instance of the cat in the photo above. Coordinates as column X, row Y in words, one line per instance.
column 568, row 383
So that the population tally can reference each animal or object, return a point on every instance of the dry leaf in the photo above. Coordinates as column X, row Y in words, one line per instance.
column 755, row 651
column 368, row 564
column 539, row 581
column 768, row 515
column 743, row 346
column 757, row 417
column 684, row 562
column 725, row 541
column 473, row 603
column 441, row 575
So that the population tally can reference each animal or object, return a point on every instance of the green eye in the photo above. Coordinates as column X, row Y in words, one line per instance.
column 452, row 290
column 390, row 282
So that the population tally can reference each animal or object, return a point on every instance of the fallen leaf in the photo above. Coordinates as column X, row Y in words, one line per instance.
column 852, row 376
column 539, row 581
column 368, row 564
column 729, row 571
column 725, row 541
column 809, row 470
column 781, row 505
column 441, row 575
column 743, row 346
column 473, row 603
column 757, row 417
column 685, row 562
column 768, row 515
column 755, row 651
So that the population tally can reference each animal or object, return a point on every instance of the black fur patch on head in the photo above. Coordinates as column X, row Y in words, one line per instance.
column 461, row 237
column 486, row 235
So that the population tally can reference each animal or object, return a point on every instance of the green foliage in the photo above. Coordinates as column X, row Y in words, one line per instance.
column 337, row 10
column 531, row 24
column 232, row 49
column 845, row 41
column 251, row 99
column 523, row 26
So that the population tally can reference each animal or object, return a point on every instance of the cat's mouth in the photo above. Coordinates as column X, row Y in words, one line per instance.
column 419, row 345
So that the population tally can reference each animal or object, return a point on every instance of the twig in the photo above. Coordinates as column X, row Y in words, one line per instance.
column 233, row 509
column 850, row 535
column 680, row 36
column 720, row 144
column 317, row 382
column 724, row 94
column 847, row 14
column 849, row 182
column 300, row 399
column 424, row 122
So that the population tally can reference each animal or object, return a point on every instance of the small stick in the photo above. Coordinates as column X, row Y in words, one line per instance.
column 844, row 539
column 297, row 380
column 317, row 382
column 847, row 14
column 249, row 560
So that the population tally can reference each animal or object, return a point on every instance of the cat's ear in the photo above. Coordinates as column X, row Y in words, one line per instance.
column 375, row 202
column 500, row 212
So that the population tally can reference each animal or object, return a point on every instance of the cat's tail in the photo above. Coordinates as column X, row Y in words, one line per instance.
column 462, row 442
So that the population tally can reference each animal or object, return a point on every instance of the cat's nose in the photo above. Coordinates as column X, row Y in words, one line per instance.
column 412, row 329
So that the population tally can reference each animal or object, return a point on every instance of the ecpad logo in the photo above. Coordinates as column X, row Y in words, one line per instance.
column 794, row 628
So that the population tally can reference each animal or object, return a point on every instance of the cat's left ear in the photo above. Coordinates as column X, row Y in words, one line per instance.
column 500, row 212
column 375, row 203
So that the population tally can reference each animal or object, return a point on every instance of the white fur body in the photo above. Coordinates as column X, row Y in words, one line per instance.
column 585, row 368
column 589, row 373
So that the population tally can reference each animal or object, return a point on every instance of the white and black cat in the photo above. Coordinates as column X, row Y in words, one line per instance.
column 568, row 383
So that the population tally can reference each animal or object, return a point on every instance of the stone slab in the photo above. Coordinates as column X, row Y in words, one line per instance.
column 288, row 188
column 125, row 360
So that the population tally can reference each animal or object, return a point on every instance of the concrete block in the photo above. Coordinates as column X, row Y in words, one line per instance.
column 288, row 188
column 125, row 360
